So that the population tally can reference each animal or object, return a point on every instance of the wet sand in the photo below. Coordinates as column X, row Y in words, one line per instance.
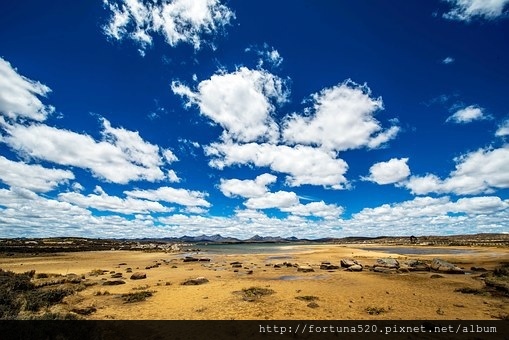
column 341, row 295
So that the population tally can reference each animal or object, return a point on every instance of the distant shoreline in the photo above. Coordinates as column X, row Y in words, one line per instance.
column 186, row 243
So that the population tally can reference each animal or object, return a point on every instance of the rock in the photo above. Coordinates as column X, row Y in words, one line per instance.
column 194, row 282
column 345, row 263
column 122, row 264
column 237, row 265
column 313, row 305
column 355, row 268
column 442, row 266
column 417, row 266
column 116, row 275
column 436, row 276
column 249, row 272
column 385, row 270
column 138, row 276
column 129, row 270
column 387, row 263
column 113, row 283
column 204, row 259
column 328, row 266
column 277, row 266
column 190, row 259
column 478, row 269
column 305, row 269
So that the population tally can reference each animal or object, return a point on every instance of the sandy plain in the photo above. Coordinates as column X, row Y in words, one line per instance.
column 340, row 295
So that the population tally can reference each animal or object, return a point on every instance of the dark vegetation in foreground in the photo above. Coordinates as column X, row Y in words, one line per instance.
column 20, row 298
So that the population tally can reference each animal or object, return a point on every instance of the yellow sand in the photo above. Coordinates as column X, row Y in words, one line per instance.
column 341, row 295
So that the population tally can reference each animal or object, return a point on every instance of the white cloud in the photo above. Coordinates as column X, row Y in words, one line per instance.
column 19, row 95
column 428, row 207
column 303, row 164
column 122, row 156
column 172, row 176
column 468, row 114
column 318, row 209
column 246, row 188
column 178, row 21
column 466, row 10
column 32, row 176
column 105, row 202
column 279, row 199
column 503, row 129
column 267, row 55
column 481, row 171
column 241, row 102
column 392, row 171
column 172, row 195
column 24, row 213
column 448, row 60
column 342, row 118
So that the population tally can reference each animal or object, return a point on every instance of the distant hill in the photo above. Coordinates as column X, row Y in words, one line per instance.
column 71, row 244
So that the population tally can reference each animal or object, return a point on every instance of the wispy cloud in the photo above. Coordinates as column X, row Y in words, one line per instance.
column 178, row 21
column 19, row 96
column 468, row 114
column 467, row 10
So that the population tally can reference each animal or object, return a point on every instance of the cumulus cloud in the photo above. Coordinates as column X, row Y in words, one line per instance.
column 241, row 102
column 24, row 213
column 503, row 129
column 318, row 209
column 178, row 21
column 279, row 199
column 19, row 96
column 32, row 176
column 392, row 171
column 467, row 10
column 468, row 114
column 342, row 118
column 122, row 156
column 258, row 197
column 303, row 164
column 430, row 207
column 172, row 195
column 246, row 188
column 481, row 171
column 102, row 201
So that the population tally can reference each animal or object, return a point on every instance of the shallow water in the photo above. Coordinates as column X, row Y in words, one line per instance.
column 250, row 248
column 421, row 251
column 300, row 277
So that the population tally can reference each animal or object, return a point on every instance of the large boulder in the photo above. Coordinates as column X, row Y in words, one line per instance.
column 345, row 263
column 355, row 268
column 387, row 263
column 442, row 266
column 138, row 276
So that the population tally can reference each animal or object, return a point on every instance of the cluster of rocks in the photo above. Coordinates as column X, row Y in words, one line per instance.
column 195, row 259
column 351, row 265
column 390, row 265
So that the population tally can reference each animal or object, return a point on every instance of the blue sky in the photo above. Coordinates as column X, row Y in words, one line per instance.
column 131, row 118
